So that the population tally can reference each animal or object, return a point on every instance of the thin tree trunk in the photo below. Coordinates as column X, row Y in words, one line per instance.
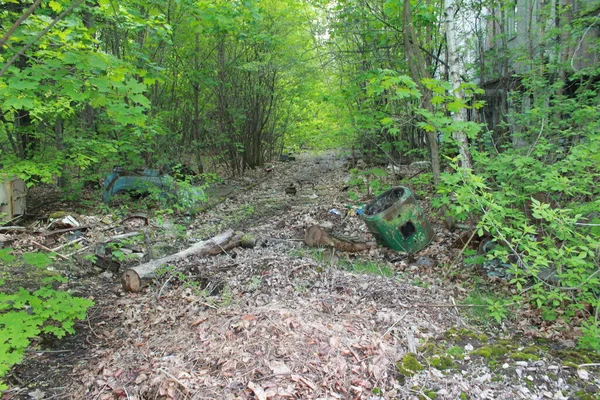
column 455, row 72
column 418, row 72
column 60, row 146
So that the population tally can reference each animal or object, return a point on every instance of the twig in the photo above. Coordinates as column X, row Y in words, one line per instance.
column 55, row 396
column 410, row 338
column 395, row 323
column 41, row 246
column 455, row 263
column 449, row 305
column 579, row 43
column 91, row 329
column 580, row 366
column 74, row 228
column 100, row 392
column 537, row 139
column 175, row 379
column 78, row 251
column 12, row 228
column 123, row 236
column 48, row 351
column 163, row 286
column 68, row 244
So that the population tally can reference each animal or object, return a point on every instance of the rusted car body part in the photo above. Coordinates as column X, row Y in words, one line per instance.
column 397, row 221
column 121, row 180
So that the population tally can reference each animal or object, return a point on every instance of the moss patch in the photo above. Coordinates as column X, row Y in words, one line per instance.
column 573, row 356
column 495, row 351
column 464, row 334
column 522, row 356
column 409, row 365
column 441, row 362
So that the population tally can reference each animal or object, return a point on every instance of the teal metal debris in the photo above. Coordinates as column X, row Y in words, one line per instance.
column 397, row 221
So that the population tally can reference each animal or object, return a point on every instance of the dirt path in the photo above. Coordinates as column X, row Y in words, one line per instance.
column 284, row 321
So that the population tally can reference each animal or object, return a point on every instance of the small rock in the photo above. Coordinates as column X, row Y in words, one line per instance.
column 107, row 275
column 530, row 378
column 524, row 390
column 37, row 394
column 591, row 389
column 425, row 262
column 522, row 363
column 505, row 366
column 519, row 372
column 469, row 347
column 559, row 396
column 583, row 374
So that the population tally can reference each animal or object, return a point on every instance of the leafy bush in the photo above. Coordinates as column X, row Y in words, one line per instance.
column 550, row 245
column 25, row 314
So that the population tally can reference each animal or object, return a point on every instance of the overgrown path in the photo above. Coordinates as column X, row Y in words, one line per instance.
column 284, row 321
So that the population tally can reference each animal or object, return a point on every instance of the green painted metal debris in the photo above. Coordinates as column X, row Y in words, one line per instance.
column 397, row 221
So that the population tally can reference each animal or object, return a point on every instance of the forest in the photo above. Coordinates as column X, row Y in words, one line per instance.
column 268, row 116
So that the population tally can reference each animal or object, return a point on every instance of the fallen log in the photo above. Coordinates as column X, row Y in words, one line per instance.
column 317, row 236
column 134, row 279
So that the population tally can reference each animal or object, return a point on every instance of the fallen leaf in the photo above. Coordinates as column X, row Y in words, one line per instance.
column 279, row 368
column 258, row 391
column 198, row 321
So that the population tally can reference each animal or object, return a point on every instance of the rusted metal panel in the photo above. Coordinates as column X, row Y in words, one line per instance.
column 13, row 193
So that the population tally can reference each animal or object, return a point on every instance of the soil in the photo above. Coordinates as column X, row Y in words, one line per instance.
column 285, row 321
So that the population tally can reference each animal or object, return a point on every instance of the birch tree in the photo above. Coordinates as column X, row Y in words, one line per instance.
column 455, row 71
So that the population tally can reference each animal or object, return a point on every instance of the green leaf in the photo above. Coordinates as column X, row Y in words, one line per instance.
column 39, row 260
column 55, row 6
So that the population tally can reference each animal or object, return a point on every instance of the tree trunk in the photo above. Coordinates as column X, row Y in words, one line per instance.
column 418, row 71
column 134, row 279
column 60, row 147
column 456, row 70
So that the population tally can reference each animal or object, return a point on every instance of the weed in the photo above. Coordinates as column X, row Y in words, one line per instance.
column 370, row 268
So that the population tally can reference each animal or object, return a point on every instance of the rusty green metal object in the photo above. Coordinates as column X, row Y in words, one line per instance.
column 397, row 221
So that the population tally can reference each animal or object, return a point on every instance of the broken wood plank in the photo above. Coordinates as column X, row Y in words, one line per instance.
column 134, row 279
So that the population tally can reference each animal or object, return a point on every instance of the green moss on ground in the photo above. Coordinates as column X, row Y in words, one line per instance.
column 494, row 351
column 441, row 362
column 409, row 365
column 464, row 334
column 522, row 356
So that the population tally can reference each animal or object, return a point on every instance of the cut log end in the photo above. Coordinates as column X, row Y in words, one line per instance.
column 131, row 281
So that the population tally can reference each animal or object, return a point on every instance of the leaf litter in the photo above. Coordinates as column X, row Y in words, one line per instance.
column 281, row 321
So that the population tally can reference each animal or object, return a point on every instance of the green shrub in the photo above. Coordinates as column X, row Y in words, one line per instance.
column 27, row 314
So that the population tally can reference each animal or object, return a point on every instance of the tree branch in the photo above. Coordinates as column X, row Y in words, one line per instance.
column 23, row 17
column 42, row 33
